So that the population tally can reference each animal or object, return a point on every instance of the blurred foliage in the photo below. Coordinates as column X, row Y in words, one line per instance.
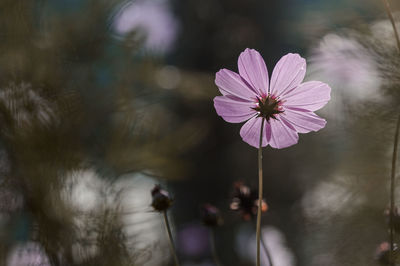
column 73, row 97
column 81, row 103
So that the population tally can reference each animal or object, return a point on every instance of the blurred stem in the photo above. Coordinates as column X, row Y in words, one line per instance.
column 389, row 13
column 53, row 259
column 260, row 192
column 171, row 241
column 392, row 179
column 213, row 247
column 396, row 140
column 267, row 252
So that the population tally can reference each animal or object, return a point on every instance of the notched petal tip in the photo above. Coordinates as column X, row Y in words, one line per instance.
column 219, row 73
column 250, row 50
column 324, row 122
column 295, row 56
column 329, row 90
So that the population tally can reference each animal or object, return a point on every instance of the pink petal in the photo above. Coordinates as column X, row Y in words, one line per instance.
column 303, row 121
column 250, row 132
column 230, row 83
column 233, row 109
column 311, row 95
column 268, row 131
column 288, row 73
column 282, row 134
column 253, row 69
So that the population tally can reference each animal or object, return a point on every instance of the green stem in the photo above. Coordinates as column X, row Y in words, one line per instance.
column 171, row 241
column 267, row 252
column 260, row 192
column 213, row 247
column 392, row 179
column 396, row 140
column 389, row 13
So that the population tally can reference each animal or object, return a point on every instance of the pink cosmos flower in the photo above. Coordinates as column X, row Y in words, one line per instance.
column 286, row 104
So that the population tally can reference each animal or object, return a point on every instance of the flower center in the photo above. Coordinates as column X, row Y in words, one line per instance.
column 268, row 107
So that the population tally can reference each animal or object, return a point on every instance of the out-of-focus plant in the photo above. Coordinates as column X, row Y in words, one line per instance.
column 212, row 218
column 75, row 96
column 245, row 201
column 361, row 65
column 162, row 201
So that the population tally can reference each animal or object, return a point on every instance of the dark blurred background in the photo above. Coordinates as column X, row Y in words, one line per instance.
column 102, row 99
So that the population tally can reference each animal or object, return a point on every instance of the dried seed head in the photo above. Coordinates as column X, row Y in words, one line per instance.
column 245, row 200
column 161, row 199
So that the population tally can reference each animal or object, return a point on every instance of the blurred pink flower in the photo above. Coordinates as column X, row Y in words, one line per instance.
column 153, row 20
column 290, row 103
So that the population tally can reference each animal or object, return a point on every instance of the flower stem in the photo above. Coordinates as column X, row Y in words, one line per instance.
column 267, row 252
column 389, row 13
column 392, row 179
column 171, row 241
column 260, row 192
column 396, row 140
column 213, row 248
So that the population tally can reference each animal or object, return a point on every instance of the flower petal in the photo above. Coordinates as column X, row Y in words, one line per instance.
column 253, row 69
column 303, row 121
column 282, row 134
column 250, row 132
column 233, row 109
column 288, row 73
column 311, row 95
column 230, row 83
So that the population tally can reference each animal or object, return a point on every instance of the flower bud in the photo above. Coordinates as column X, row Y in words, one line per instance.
column 211, row 215
column 161, row 199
